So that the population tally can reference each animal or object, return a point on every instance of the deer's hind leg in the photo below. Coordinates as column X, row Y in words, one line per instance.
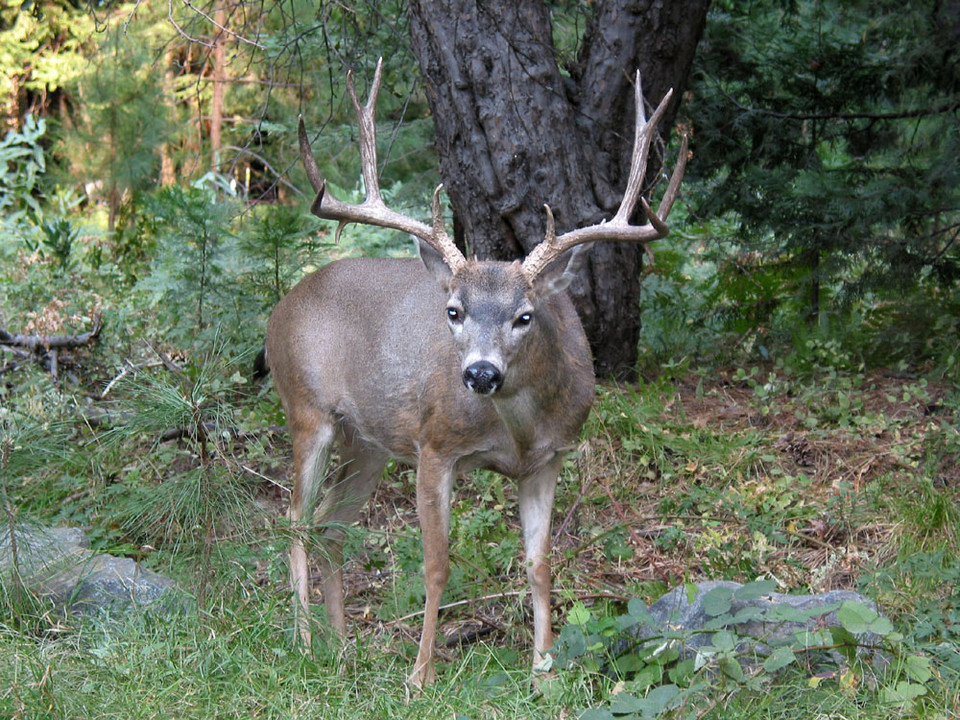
column 344, row 494
column 360, row 471
column 313, row 433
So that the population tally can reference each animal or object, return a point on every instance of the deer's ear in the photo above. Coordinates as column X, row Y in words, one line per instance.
column 561, row 272
column 433, row 261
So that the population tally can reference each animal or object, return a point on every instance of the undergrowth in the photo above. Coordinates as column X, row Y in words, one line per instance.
column 770, row 451
column 809, row 478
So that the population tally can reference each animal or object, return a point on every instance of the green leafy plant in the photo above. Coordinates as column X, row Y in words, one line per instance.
column 799, row 134
column 114, row 142
column 661, row 672
column 22, row 163
column 278, row 244
column 59, row 236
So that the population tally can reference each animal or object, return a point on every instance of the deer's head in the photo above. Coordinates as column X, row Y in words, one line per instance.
column 496, row 309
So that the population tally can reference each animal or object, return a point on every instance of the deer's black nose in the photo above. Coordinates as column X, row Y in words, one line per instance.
column 483, row 377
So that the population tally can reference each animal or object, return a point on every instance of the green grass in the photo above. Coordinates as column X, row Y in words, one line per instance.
column 694, row 475
column 240, row 663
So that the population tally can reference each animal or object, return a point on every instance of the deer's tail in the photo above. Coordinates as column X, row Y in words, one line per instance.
column 260, row 367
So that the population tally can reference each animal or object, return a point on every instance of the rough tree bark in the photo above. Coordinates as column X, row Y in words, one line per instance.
column 513, row 132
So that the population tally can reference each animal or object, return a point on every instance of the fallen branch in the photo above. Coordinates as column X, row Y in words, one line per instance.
column 585, row 595
column 48, row 347
column 167, row 361
column 128, row 368
column 38, row 343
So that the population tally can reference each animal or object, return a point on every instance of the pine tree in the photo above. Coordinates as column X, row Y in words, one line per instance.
column 830, row 129
column 121, row 125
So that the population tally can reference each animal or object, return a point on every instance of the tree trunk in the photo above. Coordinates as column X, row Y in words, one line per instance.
column 219, row 75
column 167, row 170
column 513, row 133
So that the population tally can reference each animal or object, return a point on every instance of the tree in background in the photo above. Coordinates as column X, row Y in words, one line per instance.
column 43, row 45
column 518, row 125
column 830, row 131
column 113, row 146
column 825, row 132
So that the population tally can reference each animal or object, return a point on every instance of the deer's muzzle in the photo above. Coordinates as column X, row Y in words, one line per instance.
column 483, row 377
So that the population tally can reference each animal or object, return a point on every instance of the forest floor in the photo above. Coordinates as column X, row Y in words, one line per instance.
column 725, row 475
column 827, row 479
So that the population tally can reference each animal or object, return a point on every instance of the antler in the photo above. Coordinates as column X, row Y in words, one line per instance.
column 619, row 229
column 373, row 211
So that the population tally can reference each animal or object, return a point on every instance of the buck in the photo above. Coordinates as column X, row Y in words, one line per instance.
column 445, row 363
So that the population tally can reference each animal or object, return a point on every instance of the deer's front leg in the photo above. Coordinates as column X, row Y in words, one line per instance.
column 434, row 481
column 536, row 508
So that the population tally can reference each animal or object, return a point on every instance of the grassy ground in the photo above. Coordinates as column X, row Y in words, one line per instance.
column 821, row 480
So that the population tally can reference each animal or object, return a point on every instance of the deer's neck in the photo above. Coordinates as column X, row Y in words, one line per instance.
column 520, row 414
column 535, row 415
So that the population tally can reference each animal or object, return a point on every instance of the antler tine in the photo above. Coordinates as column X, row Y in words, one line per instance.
column 657, row 219
column 373, row 211
column 366, row 124
column 619, row 228
column 643, row 133
column 308, row 159
column 440, row 241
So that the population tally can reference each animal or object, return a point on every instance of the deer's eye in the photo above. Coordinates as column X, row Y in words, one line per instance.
column 523, row 320
column 453, row 315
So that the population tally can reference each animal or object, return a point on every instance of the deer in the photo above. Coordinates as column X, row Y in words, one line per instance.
column 445, row 363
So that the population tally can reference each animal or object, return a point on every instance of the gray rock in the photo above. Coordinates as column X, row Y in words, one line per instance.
column 762, row 622
column 58, row 564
